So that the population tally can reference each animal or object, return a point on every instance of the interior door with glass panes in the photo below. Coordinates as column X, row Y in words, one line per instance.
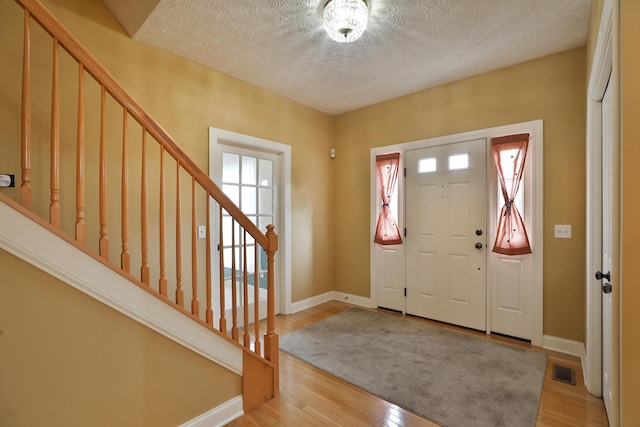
column 250, row 179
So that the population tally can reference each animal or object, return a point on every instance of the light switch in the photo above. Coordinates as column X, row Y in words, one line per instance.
column 202, row 231
column 562, row 231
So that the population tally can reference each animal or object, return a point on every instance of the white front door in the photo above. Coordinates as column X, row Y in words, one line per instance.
column 446, row 233
column 608, row 330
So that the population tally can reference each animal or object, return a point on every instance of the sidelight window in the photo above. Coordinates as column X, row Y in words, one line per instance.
column 387, row 232
column 509, row 154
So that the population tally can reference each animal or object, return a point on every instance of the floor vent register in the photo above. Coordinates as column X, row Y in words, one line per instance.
column 564, row 374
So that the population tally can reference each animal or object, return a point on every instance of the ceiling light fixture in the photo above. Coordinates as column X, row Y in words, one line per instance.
column 345, row 20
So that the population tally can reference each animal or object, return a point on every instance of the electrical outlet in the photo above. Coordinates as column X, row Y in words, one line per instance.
column 562, row 231
column 202, row 231
column 7, row 180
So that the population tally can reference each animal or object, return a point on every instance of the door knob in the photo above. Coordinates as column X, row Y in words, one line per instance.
column 600, row 275
column 607, row 288
column 478, row 245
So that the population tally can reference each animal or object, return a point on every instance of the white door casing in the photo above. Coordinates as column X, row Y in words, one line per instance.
column 533, row 191
column 609, row 382
column 445, row 206
column 218, row 140
column 603, row 76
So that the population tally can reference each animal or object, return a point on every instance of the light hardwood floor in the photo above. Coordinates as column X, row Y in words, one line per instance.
column 311, row 397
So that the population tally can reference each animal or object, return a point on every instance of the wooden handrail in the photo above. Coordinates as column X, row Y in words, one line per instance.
column 103, row 77
column 237, row 240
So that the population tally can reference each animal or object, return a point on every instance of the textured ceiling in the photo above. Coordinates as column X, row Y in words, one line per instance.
column 409, row 45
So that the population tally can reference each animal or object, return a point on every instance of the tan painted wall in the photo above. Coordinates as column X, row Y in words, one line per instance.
column 185, row 98
column 630, row 145
column 69, row 360
column 551, row 89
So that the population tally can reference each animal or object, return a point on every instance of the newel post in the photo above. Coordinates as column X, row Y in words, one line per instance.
column 271, row 349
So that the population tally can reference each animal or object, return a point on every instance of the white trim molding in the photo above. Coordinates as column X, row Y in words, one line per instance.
column 41, row 248
column 331, row 296
column 563, row 345
column 352, row 299
column 220, row 415
column 311, row 302
column 601, row 70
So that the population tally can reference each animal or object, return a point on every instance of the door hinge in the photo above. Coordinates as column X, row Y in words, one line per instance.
column 405, row 172
column 405, row 232
column 405, row 292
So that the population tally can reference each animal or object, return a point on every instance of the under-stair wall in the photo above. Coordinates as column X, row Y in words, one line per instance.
column 81, row 346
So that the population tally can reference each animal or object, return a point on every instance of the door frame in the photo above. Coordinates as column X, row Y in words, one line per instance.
column 219, row 137
column 536, row 192
column 602, row 73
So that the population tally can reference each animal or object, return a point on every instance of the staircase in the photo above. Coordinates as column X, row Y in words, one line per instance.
column 122, row 213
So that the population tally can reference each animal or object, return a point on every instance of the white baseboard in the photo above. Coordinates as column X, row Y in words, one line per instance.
column 330, row 296
column 220, row 415
column 563, row 345
column 311, row 302
column 41, row 248
column 352, row 299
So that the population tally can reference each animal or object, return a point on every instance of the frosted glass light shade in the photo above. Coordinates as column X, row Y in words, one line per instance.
column 345, row 20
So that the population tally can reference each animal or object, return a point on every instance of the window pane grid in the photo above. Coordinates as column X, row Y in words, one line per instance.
column 248, row 181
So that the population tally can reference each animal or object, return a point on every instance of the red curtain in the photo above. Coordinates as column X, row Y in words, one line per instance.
column 511, row 237
column 387, row 232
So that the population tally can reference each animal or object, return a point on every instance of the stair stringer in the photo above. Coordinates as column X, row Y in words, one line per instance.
column 35, row 244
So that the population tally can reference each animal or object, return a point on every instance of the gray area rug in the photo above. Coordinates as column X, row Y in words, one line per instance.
column 452, row 378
